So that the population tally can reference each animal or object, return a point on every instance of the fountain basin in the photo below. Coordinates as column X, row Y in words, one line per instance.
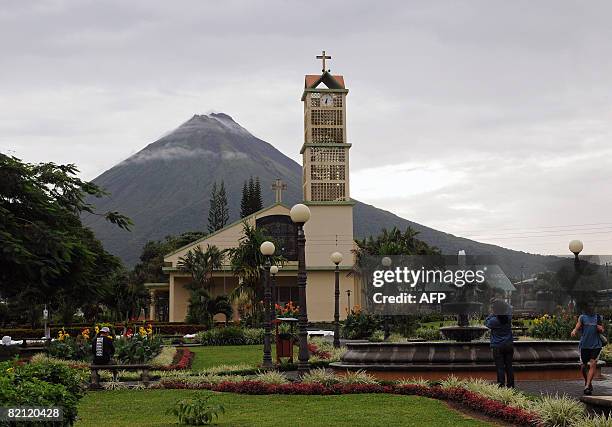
column 533, row 360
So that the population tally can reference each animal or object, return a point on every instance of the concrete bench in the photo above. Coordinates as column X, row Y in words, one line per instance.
column 95, row 376
column 599, row 404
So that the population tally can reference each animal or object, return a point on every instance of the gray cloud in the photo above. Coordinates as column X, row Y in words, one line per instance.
column 506, row 106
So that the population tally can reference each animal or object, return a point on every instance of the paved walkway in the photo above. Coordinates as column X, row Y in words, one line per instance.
column 570, row 388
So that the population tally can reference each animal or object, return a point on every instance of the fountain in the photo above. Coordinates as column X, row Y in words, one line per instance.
column 462, row 354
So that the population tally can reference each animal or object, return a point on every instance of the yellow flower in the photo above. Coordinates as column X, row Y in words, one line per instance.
column 10, row 370
column 97, row 329
column 142, row 331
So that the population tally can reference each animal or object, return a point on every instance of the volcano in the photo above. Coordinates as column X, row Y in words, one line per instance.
column 165, row 189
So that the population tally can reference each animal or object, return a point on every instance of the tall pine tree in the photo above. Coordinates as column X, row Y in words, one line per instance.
column 251, row 197
column 218, row 212
column 222, row 206
column 213, row 210
column 244, row 202
column 257, row 200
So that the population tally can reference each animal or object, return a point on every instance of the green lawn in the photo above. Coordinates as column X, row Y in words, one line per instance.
column 208, row 356
column 148, row 407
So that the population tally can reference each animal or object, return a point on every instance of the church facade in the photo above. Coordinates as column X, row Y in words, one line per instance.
column 325, row 154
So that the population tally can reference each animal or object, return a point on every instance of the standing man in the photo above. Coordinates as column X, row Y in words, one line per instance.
column 590, row 326
column 502, row 342
column 102, row 347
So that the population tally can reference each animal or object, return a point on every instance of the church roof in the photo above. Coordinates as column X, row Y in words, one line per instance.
column 311, row 81
column 260, row 213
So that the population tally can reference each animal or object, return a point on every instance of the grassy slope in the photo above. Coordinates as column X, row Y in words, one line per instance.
column 148, row 407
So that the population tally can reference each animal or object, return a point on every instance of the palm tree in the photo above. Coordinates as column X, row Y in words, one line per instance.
column 246, row 261
column 200, row 264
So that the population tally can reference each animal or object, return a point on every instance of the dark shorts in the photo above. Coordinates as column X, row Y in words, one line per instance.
column 587, row 354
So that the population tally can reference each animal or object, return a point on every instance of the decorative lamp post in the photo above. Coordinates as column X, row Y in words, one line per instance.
column 348, row 296
column 576, row 246
column 336, row 258
column 386, row 262
column 273, row 272
column 267, row 250
column 300, row 214
column 46, row 318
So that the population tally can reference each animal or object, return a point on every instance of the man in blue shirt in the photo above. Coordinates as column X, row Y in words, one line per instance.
column 590, row 326
column 502, row 341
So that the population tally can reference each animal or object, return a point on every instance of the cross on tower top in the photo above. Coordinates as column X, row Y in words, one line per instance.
column 278, row 186
column 323, row 57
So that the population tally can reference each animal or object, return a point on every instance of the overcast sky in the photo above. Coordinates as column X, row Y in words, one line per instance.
column 487, row 119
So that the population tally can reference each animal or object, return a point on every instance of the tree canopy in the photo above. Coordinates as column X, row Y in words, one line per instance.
column 47, row 254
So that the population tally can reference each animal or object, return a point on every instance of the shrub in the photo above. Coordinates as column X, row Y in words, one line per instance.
column 377, row 336
column 606, row 354
column 139, row 348
column 359, row 324
column 413, row 381
column 428, row 334
column 556, row 327
column 508, row 396
column 231, row 336
column 271, row 377
column 320, row 376
column 253, row 335
column 559, row 411
column 451, row 381
column 42, row 384
column 396, row 337
column 71, row 347
column 595, row 421
column 357, row 377
column 114, row 385
column 196, row 411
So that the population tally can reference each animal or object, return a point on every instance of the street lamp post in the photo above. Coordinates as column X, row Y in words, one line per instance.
column 575, row 246
column 300, row 214
column 336, row 258
column 348, row 296
column 386, row 262
column 267, row 250
column 273, row 272
column 46, row 318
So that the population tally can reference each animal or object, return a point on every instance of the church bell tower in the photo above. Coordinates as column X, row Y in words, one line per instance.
column 325, row 151
column 325, row 160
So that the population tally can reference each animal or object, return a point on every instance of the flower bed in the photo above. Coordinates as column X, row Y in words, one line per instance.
column 182, row 360
column 460, row 395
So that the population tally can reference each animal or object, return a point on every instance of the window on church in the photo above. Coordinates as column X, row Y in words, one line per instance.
column 283, row 233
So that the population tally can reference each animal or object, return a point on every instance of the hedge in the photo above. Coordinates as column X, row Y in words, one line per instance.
column 166, row 329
